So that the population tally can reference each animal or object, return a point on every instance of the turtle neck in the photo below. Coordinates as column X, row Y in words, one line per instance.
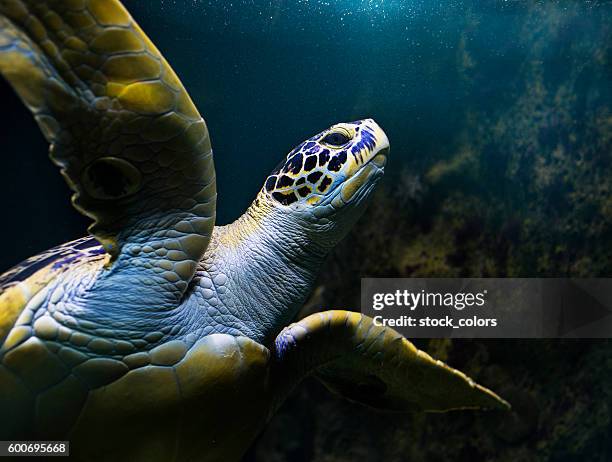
column 259, row 270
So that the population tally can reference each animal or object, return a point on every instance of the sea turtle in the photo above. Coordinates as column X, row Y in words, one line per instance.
column 160, row 336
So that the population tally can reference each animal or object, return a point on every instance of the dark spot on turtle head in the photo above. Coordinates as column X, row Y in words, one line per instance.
column 294, row 165
column 111, row 178
column 368, row 139
column 325, row 184
column 309, row 145
column 285, row 199
column 304, row 191
column 336, row 163
column 311, row 162
column 270, row 183
column 300, row 181
column 295, row 150
column 284, row 181
column 314, row 177
column 315, row 149
column 323, row 157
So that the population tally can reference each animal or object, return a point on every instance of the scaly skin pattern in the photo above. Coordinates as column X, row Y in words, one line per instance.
column 73, row 369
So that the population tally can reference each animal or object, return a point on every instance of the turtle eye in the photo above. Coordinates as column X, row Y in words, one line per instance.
column 336, row 139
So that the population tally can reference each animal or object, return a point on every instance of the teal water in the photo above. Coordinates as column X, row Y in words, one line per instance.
column 266, row 75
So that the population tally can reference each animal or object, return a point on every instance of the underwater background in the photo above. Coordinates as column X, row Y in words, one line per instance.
column 500, row 122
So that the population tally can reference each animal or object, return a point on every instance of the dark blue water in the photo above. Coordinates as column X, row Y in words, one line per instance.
column 268, row 74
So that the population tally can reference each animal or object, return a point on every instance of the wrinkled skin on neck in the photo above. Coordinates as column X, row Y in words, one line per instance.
column 260, row 269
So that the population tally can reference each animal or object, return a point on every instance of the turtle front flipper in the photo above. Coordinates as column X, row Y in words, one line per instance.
column 128, row 139
column 374, row 365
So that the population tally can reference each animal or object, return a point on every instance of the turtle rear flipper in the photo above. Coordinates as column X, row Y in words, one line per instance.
column 127, row 137
column 376, row 366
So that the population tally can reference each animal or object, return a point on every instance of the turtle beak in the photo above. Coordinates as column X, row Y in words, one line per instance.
column 370, row 171
column 381, row 151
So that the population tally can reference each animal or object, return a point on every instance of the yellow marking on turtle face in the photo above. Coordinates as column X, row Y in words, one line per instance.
column 352, row 185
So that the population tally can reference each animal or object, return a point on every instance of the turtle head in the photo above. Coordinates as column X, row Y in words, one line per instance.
column 326, row 180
